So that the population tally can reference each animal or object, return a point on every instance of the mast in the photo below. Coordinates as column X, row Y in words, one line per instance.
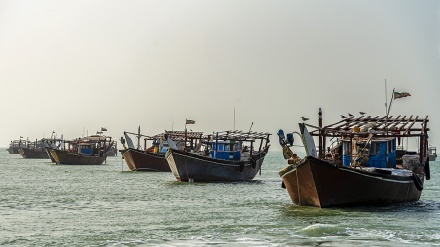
column 234, row 119
column 320, row 133
column 386, row 98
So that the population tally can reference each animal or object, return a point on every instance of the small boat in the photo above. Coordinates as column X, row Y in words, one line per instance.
column 225, row 156
column 90, row 150
column 31, row 153
column 15, row 145
column 34, row 150
column 359, row 168
column 153, row 157
column 113, row 150
column 432, row 152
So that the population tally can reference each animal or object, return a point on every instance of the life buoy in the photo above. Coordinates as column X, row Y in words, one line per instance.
column 417, row 182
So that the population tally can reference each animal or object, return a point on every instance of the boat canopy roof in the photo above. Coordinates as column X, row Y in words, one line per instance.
column 400, row 126
column 240, row 135
column 180, row 135
column 173, row 134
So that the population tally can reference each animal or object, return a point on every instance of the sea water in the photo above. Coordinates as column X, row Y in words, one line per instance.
column 43, row 204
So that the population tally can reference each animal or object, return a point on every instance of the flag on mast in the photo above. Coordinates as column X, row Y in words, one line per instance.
column 398, row 95
column 190, row 121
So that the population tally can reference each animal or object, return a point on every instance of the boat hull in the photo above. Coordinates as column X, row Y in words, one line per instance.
column 192, row 167
column 318, row 183
column 33, row 153
column 49, row 154
column 63, row 157
column 138, row 160
column 13, row 150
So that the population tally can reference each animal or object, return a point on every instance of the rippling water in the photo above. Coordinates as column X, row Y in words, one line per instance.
column 42, row 204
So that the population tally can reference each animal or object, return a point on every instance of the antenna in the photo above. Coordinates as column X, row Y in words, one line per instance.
column 234, row 119
column 251, row 127
column 386, row 98
column 139, row 138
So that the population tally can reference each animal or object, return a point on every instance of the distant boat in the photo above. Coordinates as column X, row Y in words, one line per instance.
column 90, row 150
column 361, row 167
column 432, row 152
column 34, row 150
column 113, row 150
column 15, row 145
column 37, row 148
column 29, row 153
column 225, row 156
column 153, row 157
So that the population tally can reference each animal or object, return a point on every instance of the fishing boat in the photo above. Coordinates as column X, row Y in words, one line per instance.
column 432, row 152
column 225, row 156
column 152, row 158
column 34, row 150
column 359, row 167
column 90, row 150
column 113, row 150
column 15, row 145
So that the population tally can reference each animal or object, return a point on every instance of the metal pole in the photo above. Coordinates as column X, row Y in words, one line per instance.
column 320, row 132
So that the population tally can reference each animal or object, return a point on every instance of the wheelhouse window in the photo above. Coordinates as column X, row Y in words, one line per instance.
column 347, row 148
column 377, row 147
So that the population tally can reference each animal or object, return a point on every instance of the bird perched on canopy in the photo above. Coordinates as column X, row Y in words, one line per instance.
column 304, row 118
column 342, row 116
column 350, row 115
column 362, row 113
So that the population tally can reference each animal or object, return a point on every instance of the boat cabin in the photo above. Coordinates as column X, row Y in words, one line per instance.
column 381, row 152
column 226, row 150
column 235, row 145
column 85, row 148
column 371, row 141
column 160, row 142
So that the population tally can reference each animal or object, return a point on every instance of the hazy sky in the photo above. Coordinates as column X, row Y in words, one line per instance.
column 66, row 66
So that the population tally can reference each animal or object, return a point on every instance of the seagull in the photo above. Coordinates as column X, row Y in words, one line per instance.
column 362, row 113
column 342, row 116
column 304, row 118
column 350, row 115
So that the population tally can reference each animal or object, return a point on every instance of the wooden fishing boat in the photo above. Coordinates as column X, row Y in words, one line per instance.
column 153, row 157
column 432, row 152
column 15, row 145
column 33, row 153
column 138, row 160
column 113, row 150
column 227, row 156
column 90, row 150
column 37, row 149
column 361, row 167
column 65, row 157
